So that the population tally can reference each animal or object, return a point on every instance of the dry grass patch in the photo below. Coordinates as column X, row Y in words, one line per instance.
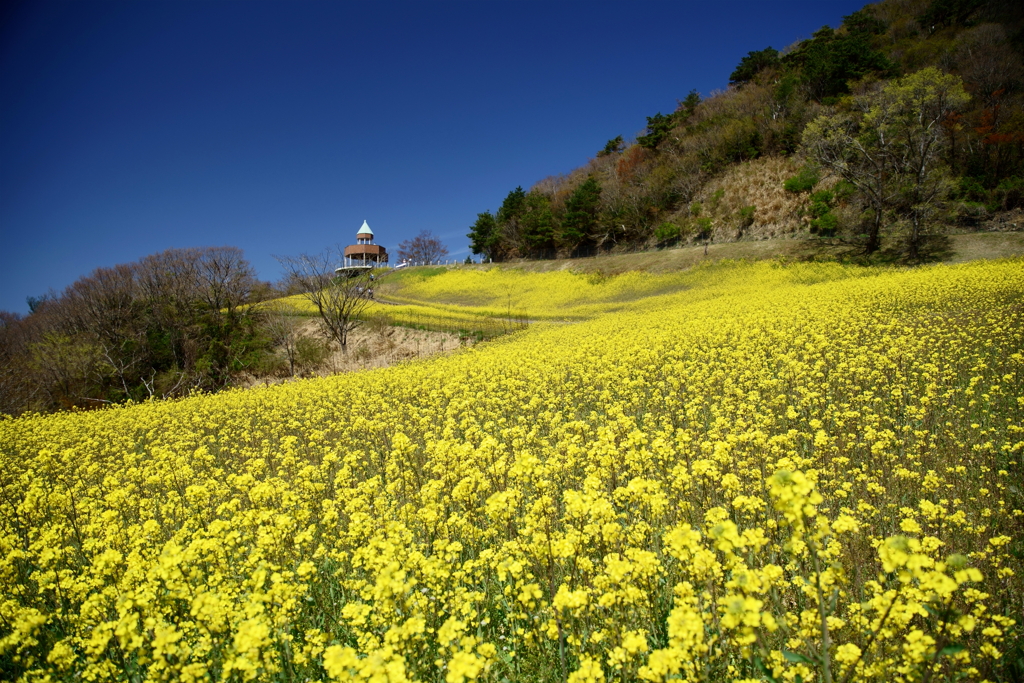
column 992, row 245
column 371, row 345
column 756, row 183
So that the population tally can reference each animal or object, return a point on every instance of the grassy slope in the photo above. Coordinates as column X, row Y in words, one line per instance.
column 953, row 249
column 495, row 305
column 964, row 247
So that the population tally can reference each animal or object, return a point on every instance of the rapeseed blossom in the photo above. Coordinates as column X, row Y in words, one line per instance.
column 745, row 472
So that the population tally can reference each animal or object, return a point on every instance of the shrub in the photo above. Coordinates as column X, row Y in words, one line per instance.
column 703, row 228
column 972, row 190
column 970, row 213
column 747, row 216
column 844, row 190
column 310, row 352
column 804, row 181
column 666, row 233
column 716, row 198
column 826, row 225
column 1009, row 193
column 824, row 222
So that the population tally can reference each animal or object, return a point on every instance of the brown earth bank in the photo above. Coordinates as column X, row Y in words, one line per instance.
column 369, row 346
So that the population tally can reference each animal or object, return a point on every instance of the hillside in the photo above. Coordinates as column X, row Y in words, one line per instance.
column 741, row 471
column 716, row 168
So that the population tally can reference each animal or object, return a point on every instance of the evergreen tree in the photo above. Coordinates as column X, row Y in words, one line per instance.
column 751, row 65
column 483, row 235
column 864, row 22
column 830, row 60
column 538, row 224
column 658, row 128
column 581, row 210
column 689, row 105
column 509, row 240
column 941, row 13
column 613, row 146
column 512, row 207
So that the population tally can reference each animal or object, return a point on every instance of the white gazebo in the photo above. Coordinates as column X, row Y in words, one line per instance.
column 364, row 254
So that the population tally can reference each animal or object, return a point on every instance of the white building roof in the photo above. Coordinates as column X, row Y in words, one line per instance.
column 365, row 230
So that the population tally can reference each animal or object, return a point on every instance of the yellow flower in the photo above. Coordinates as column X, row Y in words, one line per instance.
column 589, row 671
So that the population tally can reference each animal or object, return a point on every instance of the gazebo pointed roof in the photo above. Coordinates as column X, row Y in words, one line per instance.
column 365, row 230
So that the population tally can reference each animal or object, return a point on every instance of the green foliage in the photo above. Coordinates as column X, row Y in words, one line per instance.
column 1009, row 193
column 512, row 207
column 826, row 225
column 830, row 60
column 581, row 212
column 751, row 65
column 658, row 128
column 613, row 146
column 747, row 216
column 703, row 228
column 653, row 181
column 971, row 189
column 864, row 22
column 739, row 140
column 893, row 152
column 483, row 235
column 537, row 223
column 716, row 198
column 824, row 222
column 525, row 224
column 821, row 198
column 667, row 233
column 804, row 181
column 695, row 209
column 844, row 191
column 689, row 104
column 942, row 13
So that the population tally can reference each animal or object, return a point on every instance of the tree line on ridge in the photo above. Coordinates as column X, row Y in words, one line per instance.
column 946, row 74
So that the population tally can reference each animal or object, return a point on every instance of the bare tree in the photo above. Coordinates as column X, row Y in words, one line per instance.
column 225, row 279
column 339, row 299
column 169, row 282
column 106, row 308
column 283, row 323
column 67, row 365
column 19, row 387
column 423, row 248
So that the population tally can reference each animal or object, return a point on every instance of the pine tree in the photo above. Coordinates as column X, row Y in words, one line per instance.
column 581, row 213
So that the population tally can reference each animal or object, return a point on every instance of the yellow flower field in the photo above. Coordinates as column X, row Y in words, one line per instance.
column 563, row 295
column 742, row 473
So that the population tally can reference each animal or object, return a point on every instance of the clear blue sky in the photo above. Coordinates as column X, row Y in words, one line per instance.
column 127, row 128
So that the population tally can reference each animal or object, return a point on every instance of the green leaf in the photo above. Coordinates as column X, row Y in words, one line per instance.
column 765, row 671
column 951, row 650
column 797, row 657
